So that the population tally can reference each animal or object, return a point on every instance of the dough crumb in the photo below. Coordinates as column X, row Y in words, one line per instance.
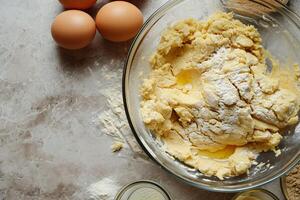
column 277, row 152
column 116, row 146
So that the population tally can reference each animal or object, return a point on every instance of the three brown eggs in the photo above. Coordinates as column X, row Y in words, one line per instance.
column 116, row 21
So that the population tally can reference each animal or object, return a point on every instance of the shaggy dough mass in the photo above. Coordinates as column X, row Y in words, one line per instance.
column 211, row 99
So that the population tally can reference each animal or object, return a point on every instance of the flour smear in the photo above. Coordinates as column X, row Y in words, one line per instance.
column 112, row 121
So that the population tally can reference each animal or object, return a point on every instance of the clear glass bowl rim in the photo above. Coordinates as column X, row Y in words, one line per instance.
column 295, row 18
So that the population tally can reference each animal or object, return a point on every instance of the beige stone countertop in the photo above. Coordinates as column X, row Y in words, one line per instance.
column 52, row 142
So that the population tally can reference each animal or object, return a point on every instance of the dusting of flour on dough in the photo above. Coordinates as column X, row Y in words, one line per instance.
column 211, row 99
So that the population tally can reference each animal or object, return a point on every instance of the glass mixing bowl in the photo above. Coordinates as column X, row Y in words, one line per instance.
column 279, row 28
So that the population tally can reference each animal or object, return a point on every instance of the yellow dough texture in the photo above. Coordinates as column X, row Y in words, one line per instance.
column 211, row 99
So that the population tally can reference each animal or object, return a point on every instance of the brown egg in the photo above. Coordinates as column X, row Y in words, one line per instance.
column 77, row 4
column 73, row 29
column 119, row 21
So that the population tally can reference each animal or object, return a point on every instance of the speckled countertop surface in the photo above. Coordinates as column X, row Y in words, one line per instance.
column 51, row 143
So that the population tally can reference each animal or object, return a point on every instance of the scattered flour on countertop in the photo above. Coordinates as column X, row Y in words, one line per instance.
column 113, row 121
column 106, row 189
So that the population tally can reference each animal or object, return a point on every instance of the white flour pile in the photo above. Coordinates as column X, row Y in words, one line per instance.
column 105, row 189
